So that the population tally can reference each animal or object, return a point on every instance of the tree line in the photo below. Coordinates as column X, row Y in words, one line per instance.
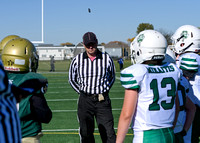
column 141, row 27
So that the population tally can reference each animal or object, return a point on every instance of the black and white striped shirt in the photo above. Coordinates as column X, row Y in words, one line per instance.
column 92, row 77
column 10, row 130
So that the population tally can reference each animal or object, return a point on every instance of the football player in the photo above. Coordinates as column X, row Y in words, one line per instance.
column 150, row 91
column 5, row 40
column 186, row 40
column 182, row 128
column 20, row 60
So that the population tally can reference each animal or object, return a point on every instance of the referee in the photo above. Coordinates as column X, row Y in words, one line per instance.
column 91, row 75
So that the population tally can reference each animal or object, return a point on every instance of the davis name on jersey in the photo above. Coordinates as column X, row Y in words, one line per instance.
column 157, row 86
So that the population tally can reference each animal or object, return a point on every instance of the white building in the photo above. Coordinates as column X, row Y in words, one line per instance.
column 45, row 51
column 117, row 50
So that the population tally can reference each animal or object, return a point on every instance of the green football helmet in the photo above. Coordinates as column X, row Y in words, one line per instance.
column 5, row 40
column 20, row 55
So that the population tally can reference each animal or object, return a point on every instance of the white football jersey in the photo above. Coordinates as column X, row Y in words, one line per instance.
column 157, row 86
column 195, row 82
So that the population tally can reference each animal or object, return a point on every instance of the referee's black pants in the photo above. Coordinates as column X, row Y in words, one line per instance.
column 88, row 108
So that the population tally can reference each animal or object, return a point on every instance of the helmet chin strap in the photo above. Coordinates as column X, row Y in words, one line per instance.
column 187, row 47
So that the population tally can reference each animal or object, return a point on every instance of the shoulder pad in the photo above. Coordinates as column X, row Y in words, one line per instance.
column 136, row 69
column 36, row 82
column 132, row 76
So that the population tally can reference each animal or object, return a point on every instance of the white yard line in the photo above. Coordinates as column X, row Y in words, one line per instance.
column 117, row 78
column 72, row 91
column 59, row 72
column 54, row 100
column 63, row 111
column 59, row 130
column 53, row 73
column 61, row 87
column 52, row 92
column 59, row 111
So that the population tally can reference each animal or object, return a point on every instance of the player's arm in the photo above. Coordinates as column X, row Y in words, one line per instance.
column 177, row 110
column 128, row 109
column 190, row 112
column 39, row 108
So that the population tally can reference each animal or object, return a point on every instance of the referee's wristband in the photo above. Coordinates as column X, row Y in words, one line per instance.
column 183, row 132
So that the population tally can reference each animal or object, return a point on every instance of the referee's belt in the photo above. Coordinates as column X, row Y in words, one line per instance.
column 94, row 95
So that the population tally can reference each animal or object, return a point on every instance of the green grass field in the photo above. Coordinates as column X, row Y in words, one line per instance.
column 62, row 100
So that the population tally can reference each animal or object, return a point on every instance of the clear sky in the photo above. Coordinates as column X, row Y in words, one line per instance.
column 110, row 20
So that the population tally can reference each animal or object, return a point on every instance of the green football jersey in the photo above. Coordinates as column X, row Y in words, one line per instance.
column 39, row 84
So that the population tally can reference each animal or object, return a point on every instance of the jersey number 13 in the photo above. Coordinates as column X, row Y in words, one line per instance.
column 171, row 93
